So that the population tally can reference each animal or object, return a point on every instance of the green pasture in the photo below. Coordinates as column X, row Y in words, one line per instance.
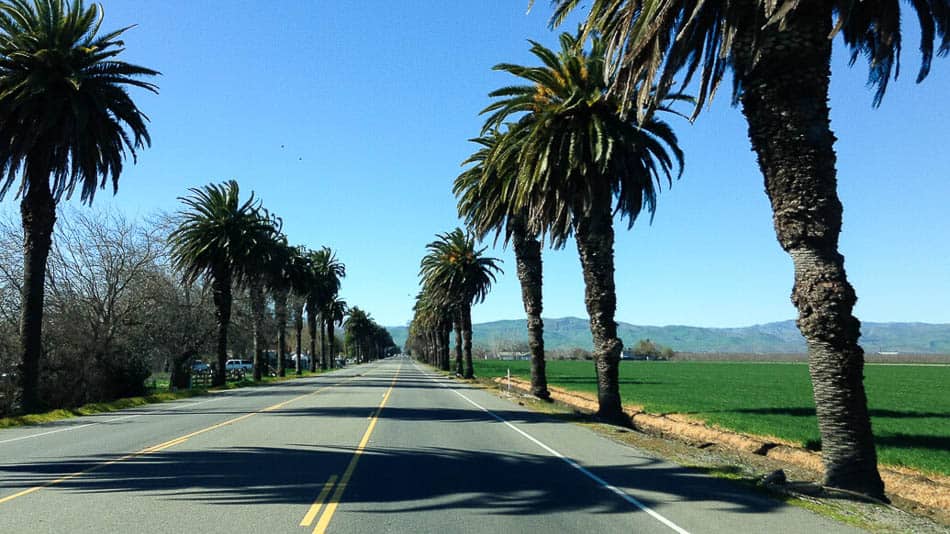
column 910, row 405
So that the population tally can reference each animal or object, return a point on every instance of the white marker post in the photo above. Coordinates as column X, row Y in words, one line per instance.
column 509, row 382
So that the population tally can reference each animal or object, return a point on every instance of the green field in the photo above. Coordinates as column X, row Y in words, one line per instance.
column 910, row 405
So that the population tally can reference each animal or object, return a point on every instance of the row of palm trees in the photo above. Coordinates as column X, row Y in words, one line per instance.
column 454, row 275
column 557, row 159
column 779, row 55
column 67, row 119
column 229, row 243
column 366, row 339
column 581, row 142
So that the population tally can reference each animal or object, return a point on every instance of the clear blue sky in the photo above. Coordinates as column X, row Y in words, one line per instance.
column 350, row 119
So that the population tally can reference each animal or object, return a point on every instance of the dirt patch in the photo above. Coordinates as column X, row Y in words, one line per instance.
column 915, row 490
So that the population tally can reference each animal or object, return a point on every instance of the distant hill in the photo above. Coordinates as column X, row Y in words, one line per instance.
column 781, row 337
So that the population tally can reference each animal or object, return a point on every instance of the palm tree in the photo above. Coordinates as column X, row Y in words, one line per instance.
column 358, row 329
column 258, row 304
column 779, row 55
column 485, row 201
column 431, row 324
column 312, row 320
column 301, row 282
column 67, row 120
column 285, row 274
column 580, row 162
column 458, row 276
column 263, row 267
column 329, row 272
column 333, row 313
column 220, row 238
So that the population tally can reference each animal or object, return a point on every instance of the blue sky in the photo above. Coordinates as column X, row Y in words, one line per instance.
column 350, row 119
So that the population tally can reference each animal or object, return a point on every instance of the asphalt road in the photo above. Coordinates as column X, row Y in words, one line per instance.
column 386, row 447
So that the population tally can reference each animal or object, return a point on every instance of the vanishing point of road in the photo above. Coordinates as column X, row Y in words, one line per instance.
column 383, row 447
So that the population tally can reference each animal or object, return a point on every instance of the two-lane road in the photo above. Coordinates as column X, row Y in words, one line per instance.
column 387, row 447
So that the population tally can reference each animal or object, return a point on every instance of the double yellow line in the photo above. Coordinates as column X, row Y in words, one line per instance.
column 164, row 445
column 334, row 501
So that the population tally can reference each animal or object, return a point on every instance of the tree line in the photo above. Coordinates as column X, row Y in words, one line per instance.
column 582, row 142
column 90, row 309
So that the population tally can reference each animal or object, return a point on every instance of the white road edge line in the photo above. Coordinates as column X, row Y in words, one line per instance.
column 601, row 482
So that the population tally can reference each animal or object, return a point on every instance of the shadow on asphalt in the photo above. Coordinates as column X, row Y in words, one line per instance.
column 404, row 479
column 393, row 479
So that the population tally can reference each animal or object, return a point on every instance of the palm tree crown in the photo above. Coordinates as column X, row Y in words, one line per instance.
column 329, row 272
column 655, row 38
column 219, row 233
column 576, row 152
column 486, row 190
column 66, row 112
column 455, row 271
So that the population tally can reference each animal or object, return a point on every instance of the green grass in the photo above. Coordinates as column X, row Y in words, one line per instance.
column 910, row 405
column 96, row 407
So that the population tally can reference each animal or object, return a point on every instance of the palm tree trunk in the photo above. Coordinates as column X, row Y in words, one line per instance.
column 467, row 340
column 298, row 326
column 257, row 309
column 434, row 352
column 458, row 343
column 444, row 359
column 280, row 310
column 323, row 344
column 180, row 370
column 595, row 245
column 312, row 331
column 221, row 292
column 528, row 260
column 433, row 346
column 38, row 212
column 785, row 104
column 330, row 342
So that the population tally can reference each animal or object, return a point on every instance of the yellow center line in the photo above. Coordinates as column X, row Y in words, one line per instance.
column 166, row 444
column 348, row 474
column 315, row 507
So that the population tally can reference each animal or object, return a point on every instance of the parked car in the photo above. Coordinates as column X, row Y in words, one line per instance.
column 200, row 367
column 234, row 365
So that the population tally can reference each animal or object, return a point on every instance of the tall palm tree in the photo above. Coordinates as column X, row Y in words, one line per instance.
column 580, row 162
column 301, row 282
column 333, row 313
column 485, row 193
column 264, row 265
column 459, row 275
column 329, row 272
column 66, row 119
column 312, row 321
column 219, row 238
column 285, row 277
column 358, row 327
column 779, row 55
column 258, row 305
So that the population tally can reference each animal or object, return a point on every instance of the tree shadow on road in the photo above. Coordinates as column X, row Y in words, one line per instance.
column 391, row 479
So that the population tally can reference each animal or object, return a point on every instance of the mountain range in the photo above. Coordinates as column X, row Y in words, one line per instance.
column 779, row 337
